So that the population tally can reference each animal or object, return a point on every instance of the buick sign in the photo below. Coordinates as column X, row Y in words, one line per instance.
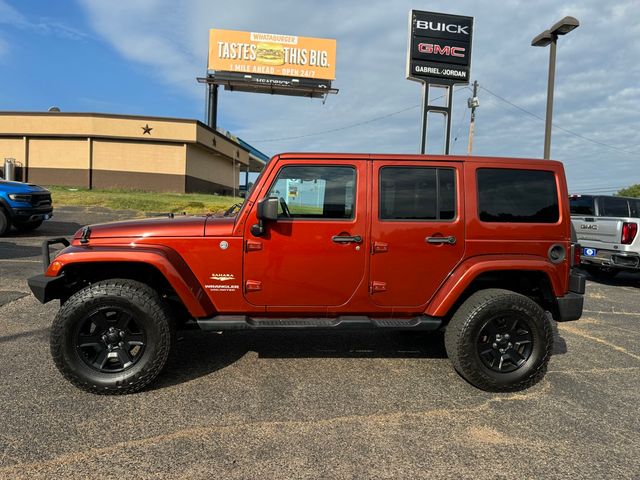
column 439, row 48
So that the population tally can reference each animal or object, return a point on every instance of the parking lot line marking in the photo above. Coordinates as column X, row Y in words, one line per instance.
column 580, row 333
column 601, row 312
column 596, row 370
column 20, row 260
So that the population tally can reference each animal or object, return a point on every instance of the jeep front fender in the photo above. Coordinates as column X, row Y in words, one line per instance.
column 465, row 273
column 166, row 260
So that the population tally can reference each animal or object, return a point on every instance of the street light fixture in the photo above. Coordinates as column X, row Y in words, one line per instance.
column 550, row 37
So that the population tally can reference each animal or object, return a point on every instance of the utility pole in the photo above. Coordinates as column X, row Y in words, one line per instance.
column 472, row 103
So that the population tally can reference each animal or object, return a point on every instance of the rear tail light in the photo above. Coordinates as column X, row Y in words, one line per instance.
column 575, row 258
column 629, row 231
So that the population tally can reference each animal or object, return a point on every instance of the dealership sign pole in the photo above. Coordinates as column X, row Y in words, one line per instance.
column 438, row 54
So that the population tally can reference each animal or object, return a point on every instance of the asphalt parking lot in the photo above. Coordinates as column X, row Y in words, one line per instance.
column 319, row 405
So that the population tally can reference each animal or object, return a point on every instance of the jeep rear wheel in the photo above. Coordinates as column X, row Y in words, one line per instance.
column 112, row 337
column 499, row 340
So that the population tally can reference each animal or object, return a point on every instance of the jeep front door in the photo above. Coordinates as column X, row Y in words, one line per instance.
column 313, row 255
column 417, row 231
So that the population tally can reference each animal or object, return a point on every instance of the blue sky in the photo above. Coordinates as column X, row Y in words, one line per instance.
column 50, row 55
column 142, row 57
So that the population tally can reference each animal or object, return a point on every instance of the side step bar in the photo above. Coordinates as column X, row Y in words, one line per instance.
column 243, row 322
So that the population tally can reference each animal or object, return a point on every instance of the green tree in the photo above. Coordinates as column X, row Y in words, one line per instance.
column 632, row 191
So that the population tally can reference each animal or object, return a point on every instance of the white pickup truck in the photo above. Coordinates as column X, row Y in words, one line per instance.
column 607, row 230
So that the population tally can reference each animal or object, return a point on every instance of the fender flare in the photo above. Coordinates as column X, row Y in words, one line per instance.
column 465, row 273
column 166, row 260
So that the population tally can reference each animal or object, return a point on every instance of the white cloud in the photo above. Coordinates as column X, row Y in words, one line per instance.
column 10, row 15
column 598, row 69
column 43, row 26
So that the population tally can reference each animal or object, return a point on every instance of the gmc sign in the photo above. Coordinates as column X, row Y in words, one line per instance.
column 438, row 50
column 439, row 47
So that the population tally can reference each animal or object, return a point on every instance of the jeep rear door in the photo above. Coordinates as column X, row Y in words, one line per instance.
column 314, row 255
column 417, row 229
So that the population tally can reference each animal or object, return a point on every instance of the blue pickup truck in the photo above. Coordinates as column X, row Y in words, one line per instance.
column 23, row 205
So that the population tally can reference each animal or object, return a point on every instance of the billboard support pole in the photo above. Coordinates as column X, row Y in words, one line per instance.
column 446, row 111
column 212, row 106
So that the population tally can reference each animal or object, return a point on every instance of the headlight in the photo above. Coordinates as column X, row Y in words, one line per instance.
column 20, row 197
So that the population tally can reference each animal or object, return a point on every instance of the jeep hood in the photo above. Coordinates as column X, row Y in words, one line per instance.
column 178, row 226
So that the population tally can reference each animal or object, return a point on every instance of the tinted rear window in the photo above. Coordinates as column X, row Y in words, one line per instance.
column 583, row 205
column 614, row 207
column 517, row 196
column 417, row 193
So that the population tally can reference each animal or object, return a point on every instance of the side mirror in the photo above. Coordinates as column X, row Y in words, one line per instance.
column 267, row 212
column 268, row 209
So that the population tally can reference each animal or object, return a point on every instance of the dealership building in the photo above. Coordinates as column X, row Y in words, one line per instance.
column 97, row 150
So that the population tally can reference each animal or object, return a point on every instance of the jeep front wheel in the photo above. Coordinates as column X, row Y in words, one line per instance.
column 499, row 340
column 112, row 337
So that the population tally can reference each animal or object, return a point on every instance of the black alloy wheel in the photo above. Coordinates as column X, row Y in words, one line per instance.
column 500, row 340
column 505, row 343
column 110, row 339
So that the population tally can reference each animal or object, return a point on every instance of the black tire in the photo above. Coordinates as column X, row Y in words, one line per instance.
column 73, row 344
column 4, row 222
column 601, row 273
column 28, row 226
column 466, row 337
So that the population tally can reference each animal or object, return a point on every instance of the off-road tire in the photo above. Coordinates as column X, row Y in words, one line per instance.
column 27, row 226
column 150, row 311
column 462, row 333
column 4, row 222
column 601, row 273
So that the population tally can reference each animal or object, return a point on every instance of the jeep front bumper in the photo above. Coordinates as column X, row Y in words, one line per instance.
column 46, row 288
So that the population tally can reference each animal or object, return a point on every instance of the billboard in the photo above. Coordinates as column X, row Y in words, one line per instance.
column 439, row 49
column 271, row 54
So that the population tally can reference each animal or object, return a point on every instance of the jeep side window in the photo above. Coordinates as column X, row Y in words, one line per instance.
column 614, row 207
column 417, row 193
column 517, row 196
column 316, row 191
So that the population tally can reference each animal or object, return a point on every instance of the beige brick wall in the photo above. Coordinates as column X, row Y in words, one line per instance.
column 202, row 164
column 139, row 157
column 12, row 148
column 58, row 153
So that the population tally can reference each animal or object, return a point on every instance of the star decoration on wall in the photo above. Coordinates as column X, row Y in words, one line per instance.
column 146, row 129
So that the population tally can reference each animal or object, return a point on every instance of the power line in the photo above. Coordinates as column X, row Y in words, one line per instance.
column 604, row 189
column 344, row 127
column 538, row 117
column 460, row 124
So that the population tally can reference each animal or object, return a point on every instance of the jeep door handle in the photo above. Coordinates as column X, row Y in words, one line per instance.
column 439, row 240
column 346, row 239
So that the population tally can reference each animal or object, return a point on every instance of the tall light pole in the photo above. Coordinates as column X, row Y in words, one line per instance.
column 550, row 37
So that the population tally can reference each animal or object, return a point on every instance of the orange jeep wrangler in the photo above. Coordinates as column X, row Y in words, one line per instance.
column 479, row 247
